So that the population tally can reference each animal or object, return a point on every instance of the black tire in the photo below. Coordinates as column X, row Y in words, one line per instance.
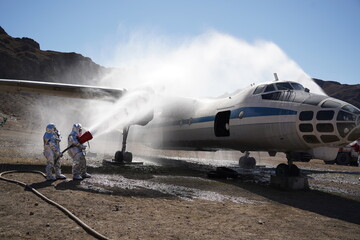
column 343, row 159
column 282, row 170
column 128, row 157
column 294, row 171
column 119, row 156
column 353, row 162
column 247, row 162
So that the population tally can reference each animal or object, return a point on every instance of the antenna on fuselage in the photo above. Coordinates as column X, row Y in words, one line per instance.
column 276, row 77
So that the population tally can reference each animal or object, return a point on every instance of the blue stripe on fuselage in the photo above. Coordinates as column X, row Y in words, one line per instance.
column 261, row 112
column 248, row 112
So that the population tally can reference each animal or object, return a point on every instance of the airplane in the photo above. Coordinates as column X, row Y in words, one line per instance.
column 277, row 116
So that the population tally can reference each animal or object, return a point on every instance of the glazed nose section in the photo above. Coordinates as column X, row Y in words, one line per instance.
column 348, row 122
column 355, row 133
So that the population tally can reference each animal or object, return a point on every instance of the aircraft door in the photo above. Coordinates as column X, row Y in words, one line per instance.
column 221, row 124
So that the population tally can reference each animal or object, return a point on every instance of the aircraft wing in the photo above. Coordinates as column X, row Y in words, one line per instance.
column 60, row 89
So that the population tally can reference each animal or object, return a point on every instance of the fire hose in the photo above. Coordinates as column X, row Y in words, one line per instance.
column 88, row 229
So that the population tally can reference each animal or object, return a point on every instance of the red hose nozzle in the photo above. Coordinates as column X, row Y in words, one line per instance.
column 85, row 137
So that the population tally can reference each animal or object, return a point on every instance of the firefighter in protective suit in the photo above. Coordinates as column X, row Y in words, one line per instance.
column 52, row 153
column 77, row 153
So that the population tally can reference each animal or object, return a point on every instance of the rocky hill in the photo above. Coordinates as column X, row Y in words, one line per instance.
column 345, row 92
column 22, row 58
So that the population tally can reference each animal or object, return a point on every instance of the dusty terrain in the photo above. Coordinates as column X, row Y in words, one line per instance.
column 174, row 199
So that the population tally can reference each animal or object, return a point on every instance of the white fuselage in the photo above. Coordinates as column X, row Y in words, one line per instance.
column 276, row 121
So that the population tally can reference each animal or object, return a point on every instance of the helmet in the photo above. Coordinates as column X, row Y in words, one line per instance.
column 50, row 128
column 77, row 128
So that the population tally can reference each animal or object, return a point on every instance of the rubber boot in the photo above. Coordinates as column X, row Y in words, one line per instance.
column 59, row 175
column 86, row 175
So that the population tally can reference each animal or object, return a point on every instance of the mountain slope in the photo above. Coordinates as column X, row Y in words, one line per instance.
column 22, row 58
column 345, row 92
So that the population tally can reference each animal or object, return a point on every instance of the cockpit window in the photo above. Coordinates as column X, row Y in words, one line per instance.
column 297, row 86
column 351, row 109
column 344, row 116
column 325, row 115
column 259, row 89
column 270, row 88
column 284, row 86
column 330, row 104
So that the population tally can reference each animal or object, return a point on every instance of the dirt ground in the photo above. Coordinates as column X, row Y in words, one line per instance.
column 173, row 199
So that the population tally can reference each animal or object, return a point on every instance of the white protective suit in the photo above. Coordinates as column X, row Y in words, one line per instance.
column 77, row 153
column 52, row 153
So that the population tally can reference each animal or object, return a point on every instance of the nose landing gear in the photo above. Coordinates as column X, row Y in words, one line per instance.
column 285, row 170
column 289, row 177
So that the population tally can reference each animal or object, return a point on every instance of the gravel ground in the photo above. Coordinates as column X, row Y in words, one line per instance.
column 170, row 197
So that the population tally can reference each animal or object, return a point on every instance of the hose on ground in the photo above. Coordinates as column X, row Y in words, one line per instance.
column 88, row 229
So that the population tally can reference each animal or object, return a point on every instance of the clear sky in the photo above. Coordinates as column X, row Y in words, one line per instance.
column 321, row 36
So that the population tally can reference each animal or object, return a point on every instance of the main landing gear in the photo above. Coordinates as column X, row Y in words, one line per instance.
column 246, row 161
column 123, row 156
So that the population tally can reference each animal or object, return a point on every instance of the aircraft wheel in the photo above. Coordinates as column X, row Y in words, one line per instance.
column 119, row 156
column 343, row 159
column 128, row 157
column 294, row 171
column 282, row 170
column 247, row 162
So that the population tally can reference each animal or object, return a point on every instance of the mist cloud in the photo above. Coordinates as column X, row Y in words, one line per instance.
column 208, row 65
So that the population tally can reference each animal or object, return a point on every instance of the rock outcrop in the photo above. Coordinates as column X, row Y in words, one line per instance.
column 22, row 58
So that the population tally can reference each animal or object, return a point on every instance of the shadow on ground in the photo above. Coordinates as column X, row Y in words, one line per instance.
column 330, row 205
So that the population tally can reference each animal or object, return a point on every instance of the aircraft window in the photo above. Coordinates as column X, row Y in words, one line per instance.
column 271, row 96
column 329, row 138
column 330, row 104
column 325, row 115
column 241, row 114
column 306, row 127
column 284, row 86
column 354, row 135
column 269, row 88
column 351, row 109
column 306, row 115
column 325, row 127
column 344, row 128
column 259, row 89
column 344, row 116
column 297, row 86
column 311, row 139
